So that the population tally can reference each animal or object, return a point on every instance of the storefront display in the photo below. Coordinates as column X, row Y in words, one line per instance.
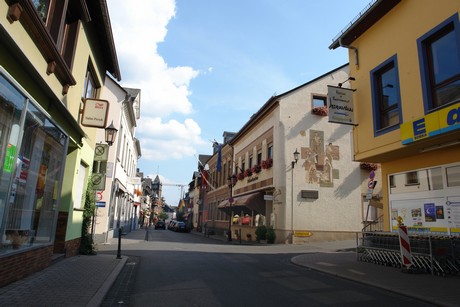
column 32, row 156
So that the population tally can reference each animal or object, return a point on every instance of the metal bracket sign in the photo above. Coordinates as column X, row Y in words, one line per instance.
column 95, row 112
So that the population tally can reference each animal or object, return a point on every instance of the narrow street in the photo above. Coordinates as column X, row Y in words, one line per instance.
column 185, row 269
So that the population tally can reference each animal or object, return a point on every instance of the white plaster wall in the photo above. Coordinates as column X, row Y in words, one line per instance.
column 338, row 207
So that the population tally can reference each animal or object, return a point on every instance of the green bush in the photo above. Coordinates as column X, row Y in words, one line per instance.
column 261, row 233
column 271, row 236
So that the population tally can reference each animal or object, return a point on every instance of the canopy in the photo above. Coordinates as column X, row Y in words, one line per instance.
column 247, row 203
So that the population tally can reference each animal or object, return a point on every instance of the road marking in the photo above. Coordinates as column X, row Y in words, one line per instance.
column 326, row 264
column 356, row 272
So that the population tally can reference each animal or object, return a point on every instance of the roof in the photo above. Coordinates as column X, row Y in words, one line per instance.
column 372, row 13
column 100, row 16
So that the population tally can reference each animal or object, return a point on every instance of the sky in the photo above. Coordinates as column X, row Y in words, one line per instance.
column 205, row 66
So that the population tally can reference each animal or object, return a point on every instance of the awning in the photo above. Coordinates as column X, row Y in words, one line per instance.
column 250, row 202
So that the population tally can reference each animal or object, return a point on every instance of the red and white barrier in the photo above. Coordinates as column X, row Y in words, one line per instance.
column 404, row 244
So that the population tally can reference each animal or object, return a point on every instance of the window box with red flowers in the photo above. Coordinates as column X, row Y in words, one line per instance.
column 321, row 111
column 256, row 169
column 368, row 166
column 267, row 163
column 240, row 176
column 248, row 173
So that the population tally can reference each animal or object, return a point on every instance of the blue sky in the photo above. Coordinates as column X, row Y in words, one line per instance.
column 205, row 66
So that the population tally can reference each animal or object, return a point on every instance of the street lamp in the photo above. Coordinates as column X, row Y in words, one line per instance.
column 231, row 181
column 110, row 134
column 293, row 163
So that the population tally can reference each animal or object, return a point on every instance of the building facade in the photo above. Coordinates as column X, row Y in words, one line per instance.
column 317, row 194
column 120, row 190
column 50, row 62
column 408, row 108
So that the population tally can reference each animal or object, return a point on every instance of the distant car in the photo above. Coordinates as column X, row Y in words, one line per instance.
column 180, row 227
column 160, row 225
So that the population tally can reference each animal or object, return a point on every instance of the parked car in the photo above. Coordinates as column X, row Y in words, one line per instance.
column 160, row 225
column 180, row 227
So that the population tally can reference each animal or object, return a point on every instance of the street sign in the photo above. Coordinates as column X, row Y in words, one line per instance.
column 101, row 152
column 268, row 197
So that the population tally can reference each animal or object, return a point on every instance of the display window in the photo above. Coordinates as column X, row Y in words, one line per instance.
column 32, row 156
column 427, row 200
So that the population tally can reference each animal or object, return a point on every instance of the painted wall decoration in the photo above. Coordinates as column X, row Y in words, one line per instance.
column 319, row 159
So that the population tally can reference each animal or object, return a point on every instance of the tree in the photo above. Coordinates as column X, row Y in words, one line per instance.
column 87, row 243
column 163, row 215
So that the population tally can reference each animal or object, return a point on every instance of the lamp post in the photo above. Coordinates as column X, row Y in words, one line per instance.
column 293, row 163
column 231, row 181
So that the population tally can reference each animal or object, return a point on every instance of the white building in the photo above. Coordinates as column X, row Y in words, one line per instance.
column 319, row 196
column 118, row 202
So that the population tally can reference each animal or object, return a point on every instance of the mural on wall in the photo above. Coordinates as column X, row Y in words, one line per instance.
column 319, row 160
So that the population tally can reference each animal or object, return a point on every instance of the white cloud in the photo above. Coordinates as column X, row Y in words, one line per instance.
column 168, row 140
column 138, row 26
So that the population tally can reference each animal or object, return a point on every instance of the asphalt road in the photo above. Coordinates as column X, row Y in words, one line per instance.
column 183, row 269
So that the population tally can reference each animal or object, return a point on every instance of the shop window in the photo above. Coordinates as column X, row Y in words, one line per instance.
column 31, row 171
column 385, row 97
column 453, row 176
column 439, row 56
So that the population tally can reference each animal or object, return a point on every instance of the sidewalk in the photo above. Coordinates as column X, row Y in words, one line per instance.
column 85, row 280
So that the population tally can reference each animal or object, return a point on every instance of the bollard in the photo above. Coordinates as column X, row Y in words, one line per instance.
column 119, row 244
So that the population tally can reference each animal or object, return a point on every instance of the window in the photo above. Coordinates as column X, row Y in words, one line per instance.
column 32, row 157
column 259, row 158
column 453, row 176
column 270, row 151
column 42, row 7
column 90, row 87
column 250, row 162
column 439, row 56
column 319, row 101
column 412, row 178
column 385, row 97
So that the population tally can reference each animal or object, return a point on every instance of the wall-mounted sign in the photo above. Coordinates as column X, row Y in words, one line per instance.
column 134, row 180
column 101, row 152
column 439, row 122
column 98, row 181
column 340, row 105
column 95, row 112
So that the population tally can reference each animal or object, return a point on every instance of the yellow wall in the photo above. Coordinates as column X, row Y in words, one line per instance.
column 395, row 34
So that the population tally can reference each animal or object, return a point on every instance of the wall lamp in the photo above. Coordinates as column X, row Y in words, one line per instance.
column 296, row 158
column 110, row 134
column 349, row 79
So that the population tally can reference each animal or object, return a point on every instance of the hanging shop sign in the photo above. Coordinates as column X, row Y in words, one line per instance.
column 340, row 105
column 95, row 112
column 436, row 123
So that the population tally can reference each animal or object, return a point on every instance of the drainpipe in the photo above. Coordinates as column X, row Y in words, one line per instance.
column 353, row 48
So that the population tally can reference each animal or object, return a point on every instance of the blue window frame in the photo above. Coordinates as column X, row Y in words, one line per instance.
column 386, row 98
column 439, row 56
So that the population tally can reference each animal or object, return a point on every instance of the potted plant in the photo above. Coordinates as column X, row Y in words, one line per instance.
column 240, row 176
column 267, row 163
column 271, row 235
column 261, row 233
column 257, row 168
column 248, row 173
column 321, row 111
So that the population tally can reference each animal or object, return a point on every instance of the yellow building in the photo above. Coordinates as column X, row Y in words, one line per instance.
column 405, row 61
column 53, row 56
